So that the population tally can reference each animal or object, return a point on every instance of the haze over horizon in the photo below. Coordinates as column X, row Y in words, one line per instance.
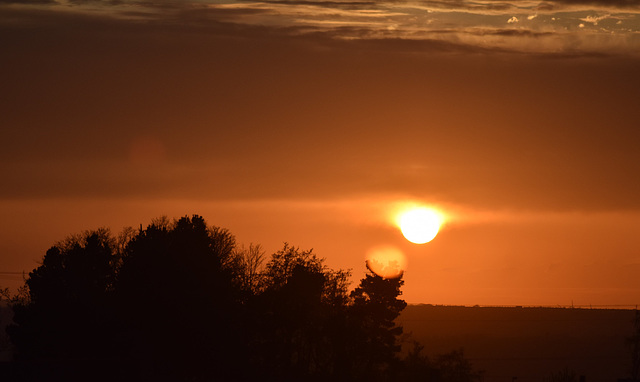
column 313, row 122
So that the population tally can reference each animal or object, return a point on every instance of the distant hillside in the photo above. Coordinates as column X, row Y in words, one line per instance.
column 527, row 343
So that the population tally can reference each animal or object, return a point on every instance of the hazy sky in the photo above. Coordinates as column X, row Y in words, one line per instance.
column 312, row 122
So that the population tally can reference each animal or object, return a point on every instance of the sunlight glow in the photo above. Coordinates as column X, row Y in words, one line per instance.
column 420, row 225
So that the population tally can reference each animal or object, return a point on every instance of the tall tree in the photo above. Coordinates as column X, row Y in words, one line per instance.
column 297, row 313
column 376, row 305
column 67, row 313
column 180, row 300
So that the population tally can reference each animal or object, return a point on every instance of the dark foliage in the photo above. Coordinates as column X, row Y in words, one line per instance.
column 68, row 312
column 449, row 367
column 564, row 375
column 179, row 301
column 376, row 305
column 297, row 315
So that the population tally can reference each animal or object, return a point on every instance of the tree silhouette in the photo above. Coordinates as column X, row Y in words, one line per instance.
column 64, row 320
column 163, row 299
column 376, row 304
column 564, row 375
column 178, row 300
column 67, row 313
column 249, row 261
column 416, row 366
column 296, row 313
column 454, row 367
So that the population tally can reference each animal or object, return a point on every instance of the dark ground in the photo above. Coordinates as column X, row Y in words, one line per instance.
column 5, row 319
column 527, row 343
column 506, row 342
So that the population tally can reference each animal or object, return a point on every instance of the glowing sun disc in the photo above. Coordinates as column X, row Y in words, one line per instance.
column 420, row 225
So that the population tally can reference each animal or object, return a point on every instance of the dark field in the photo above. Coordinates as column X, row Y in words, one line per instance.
column 528, row 343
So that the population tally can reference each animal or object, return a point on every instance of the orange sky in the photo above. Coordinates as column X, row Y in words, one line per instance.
column 308, row 122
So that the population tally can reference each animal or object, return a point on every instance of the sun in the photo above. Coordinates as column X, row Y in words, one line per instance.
column 420, row 225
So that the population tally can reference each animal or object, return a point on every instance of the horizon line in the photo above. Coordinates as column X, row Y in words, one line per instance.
column 559, row 306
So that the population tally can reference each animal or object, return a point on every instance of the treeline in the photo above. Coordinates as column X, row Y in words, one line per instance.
column 181, row 301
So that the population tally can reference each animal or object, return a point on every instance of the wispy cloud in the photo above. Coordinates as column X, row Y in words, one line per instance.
column 595, row 19
column 548, row 27
column 622, row 4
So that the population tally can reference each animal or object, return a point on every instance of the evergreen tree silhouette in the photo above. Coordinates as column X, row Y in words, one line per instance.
column 376, row 304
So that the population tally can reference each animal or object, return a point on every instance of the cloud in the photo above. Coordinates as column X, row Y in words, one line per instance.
column 28, row 2
column 502, row 7
column 595, row 19
column 631, row 4
column 222, row 111
column 230, row 110
column 476, row 6
column 386, row 20
column 511, row 33
column 323, row 3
